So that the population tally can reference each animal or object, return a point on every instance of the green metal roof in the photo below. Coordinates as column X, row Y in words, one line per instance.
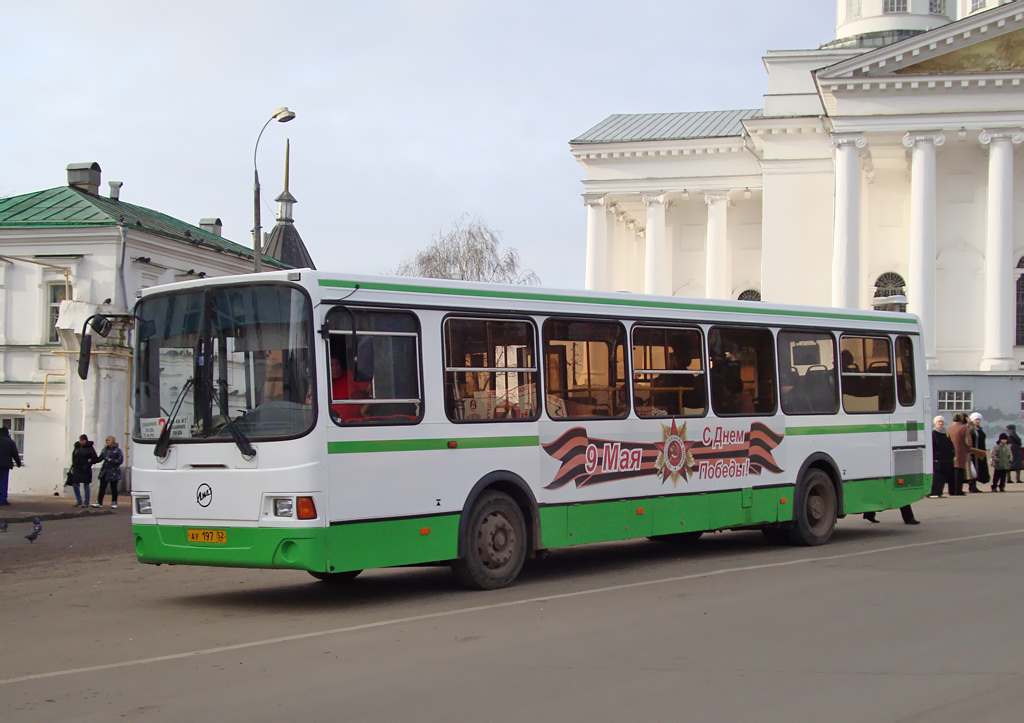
column 74, row 208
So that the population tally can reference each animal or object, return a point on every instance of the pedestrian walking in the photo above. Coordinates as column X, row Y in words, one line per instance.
column 83, row 457
column 1002, row 458
column 8, row 458
column 961, row 452
column 979, row 452
column 1015, row 450
column 942, row 458
column 110, row 471
column 906, row 511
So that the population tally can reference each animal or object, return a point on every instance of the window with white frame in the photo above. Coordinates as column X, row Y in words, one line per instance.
column 937, row 7
column 852, row 9
column 977, row 5
column 956, row 401
column 56, row 293
column 16, row 426
column 894, row 6
column 1022, row 401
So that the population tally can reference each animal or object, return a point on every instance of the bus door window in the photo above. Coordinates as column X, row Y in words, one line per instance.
column 490, row 369
column 807, row 372
column 668, row 372
column 742, row 371
column 585, row 365
column 906, row 389
column 373, row 374
column 867, row 375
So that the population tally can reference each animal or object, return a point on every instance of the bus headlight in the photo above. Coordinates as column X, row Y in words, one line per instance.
column 283, row 506
column 143, row 505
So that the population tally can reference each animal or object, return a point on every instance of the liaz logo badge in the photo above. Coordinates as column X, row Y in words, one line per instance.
column 204, row 495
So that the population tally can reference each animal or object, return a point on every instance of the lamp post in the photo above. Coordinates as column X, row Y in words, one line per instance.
column 281, row 115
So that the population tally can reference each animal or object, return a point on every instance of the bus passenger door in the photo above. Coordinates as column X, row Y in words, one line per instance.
column 907, row 432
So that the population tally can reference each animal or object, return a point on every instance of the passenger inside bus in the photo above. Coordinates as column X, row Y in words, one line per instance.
column 343, row 387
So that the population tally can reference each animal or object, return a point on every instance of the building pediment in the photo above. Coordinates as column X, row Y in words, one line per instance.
column 989, row 42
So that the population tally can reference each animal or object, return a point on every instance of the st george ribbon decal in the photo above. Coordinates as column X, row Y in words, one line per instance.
column 720, row 453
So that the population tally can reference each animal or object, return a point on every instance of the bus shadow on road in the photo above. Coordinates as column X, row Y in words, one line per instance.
column 599, row 564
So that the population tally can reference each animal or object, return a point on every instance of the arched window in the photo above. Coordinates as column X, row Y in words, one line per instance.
column 890, row 293
column 1020, row 306
column 750, row 295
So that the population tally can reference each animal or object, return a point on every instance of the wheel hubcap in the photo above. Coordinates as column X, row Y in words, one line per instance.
column 497, row 541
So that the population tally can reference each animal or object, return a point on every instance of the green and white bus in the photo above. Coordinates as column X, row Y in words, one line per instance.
column 332, row 423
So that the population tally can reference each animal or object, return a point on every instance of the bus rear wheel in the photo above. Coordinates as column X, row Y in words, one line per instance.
column 494, row 545
column 335, row 578
column 814, row 513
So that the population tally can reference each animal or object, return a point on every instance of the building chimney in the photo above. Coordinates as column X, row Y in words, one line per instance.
column 85, row 177
column 115, row 190
column 211, row 225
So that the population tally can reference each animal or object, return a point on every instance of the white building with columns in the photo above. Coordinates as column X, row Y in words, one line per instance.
column 880, row 170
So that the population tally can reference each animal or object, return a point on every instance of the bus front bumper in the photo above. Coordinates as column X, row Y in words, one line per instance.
column 301, row 548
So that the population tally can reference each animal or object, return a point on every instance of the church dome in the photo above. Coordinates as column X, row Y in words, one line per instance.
column 873, row 23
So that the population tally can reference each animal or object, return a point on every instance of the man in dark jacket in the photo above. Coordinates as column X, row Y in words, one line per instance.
column 8, row 458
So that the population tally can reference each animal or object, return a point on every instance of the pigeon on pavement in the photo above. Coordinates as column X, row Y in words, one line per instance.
column 3, row 525
column 31, row 537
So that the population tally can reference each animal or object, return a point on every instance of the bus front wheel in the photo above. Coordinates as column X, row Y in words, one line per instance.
column 494, row 545
column 814, row 513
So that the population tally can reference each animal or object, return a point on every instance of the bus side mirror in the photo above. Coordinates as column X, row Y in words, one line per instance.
column 83, row 356
column 363, row 371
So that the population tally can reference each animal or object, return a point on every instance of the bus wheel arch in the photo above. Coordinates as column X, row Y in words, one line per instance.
column 515, row 487
column 824, row 462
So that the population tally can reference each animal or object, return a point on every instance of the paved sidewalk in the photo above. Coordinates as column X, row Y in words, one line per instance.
column 25, row 507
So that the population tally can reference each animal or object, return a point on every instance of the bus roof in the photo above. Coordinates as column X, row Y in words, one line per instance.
column 533, row 299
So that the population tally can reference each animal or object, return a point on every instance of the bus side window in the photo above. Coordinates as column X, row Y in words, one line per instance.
column 867, row 375
column 742, row 372
column 376, row 367
column 668, row 372
column 906, row 389
column 490, row 370
column 807, row 372
column 585, row 362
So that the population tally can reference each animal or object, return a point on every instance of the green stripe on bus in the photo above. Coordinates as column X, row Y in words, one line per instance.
column 419, row 445
column 625, row 301
column 853, row 429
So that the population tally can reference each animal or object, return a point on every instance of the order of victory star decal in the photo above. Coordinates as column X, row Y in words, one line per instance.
column 674, row 458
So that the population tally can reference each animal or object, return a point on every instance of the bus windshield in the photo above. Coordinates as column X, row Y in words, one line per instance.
column 238, row 353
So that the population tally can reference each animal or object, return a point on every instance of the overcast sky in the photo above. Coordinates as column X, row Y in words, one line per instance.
column 409, row 113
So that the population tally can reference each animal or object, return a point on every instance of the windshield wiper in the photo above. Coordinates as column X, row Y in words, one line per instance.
column 163, row 442
column 241, row 441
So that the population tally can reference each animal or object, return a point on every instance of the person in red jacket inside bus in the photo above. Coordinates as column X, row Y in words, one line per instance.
column 344, row 386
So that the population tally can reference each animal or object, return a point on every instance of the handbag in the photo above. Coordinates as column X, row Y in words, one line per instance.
column 67, row 480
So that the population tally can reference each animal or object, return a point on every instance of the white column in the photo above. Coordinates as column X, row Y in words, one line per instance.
column 654, row 258
column 846, row 231
column 921, row 295
column 716, row 285
column 597, row 240
column 997, row 348
column 639, row 262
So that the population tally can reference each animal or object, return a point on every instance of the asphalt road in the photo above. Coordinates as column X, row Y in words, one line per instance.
column 888, row 622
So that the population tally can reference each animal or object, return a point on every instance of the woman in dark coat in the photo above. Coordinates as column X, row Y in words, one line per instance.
column 980, row 450
column 942, row 458
column 83, row 457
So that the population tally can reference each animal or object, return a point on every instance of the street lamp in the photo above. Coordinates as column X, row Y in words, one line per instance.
column 281, row 115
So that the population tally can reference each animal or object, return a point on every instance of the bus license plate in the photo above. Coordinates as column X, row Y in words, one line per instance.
column 217, row 537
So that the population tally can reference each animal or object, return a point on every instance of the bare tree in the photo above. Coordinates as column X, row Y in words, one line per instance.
column 469, row 251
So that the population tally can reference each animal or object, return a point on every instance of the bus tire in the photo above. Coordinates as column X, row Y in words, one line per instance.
column 814, row 513
column 678, row 538
column 494, row 548
column 335, row 578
